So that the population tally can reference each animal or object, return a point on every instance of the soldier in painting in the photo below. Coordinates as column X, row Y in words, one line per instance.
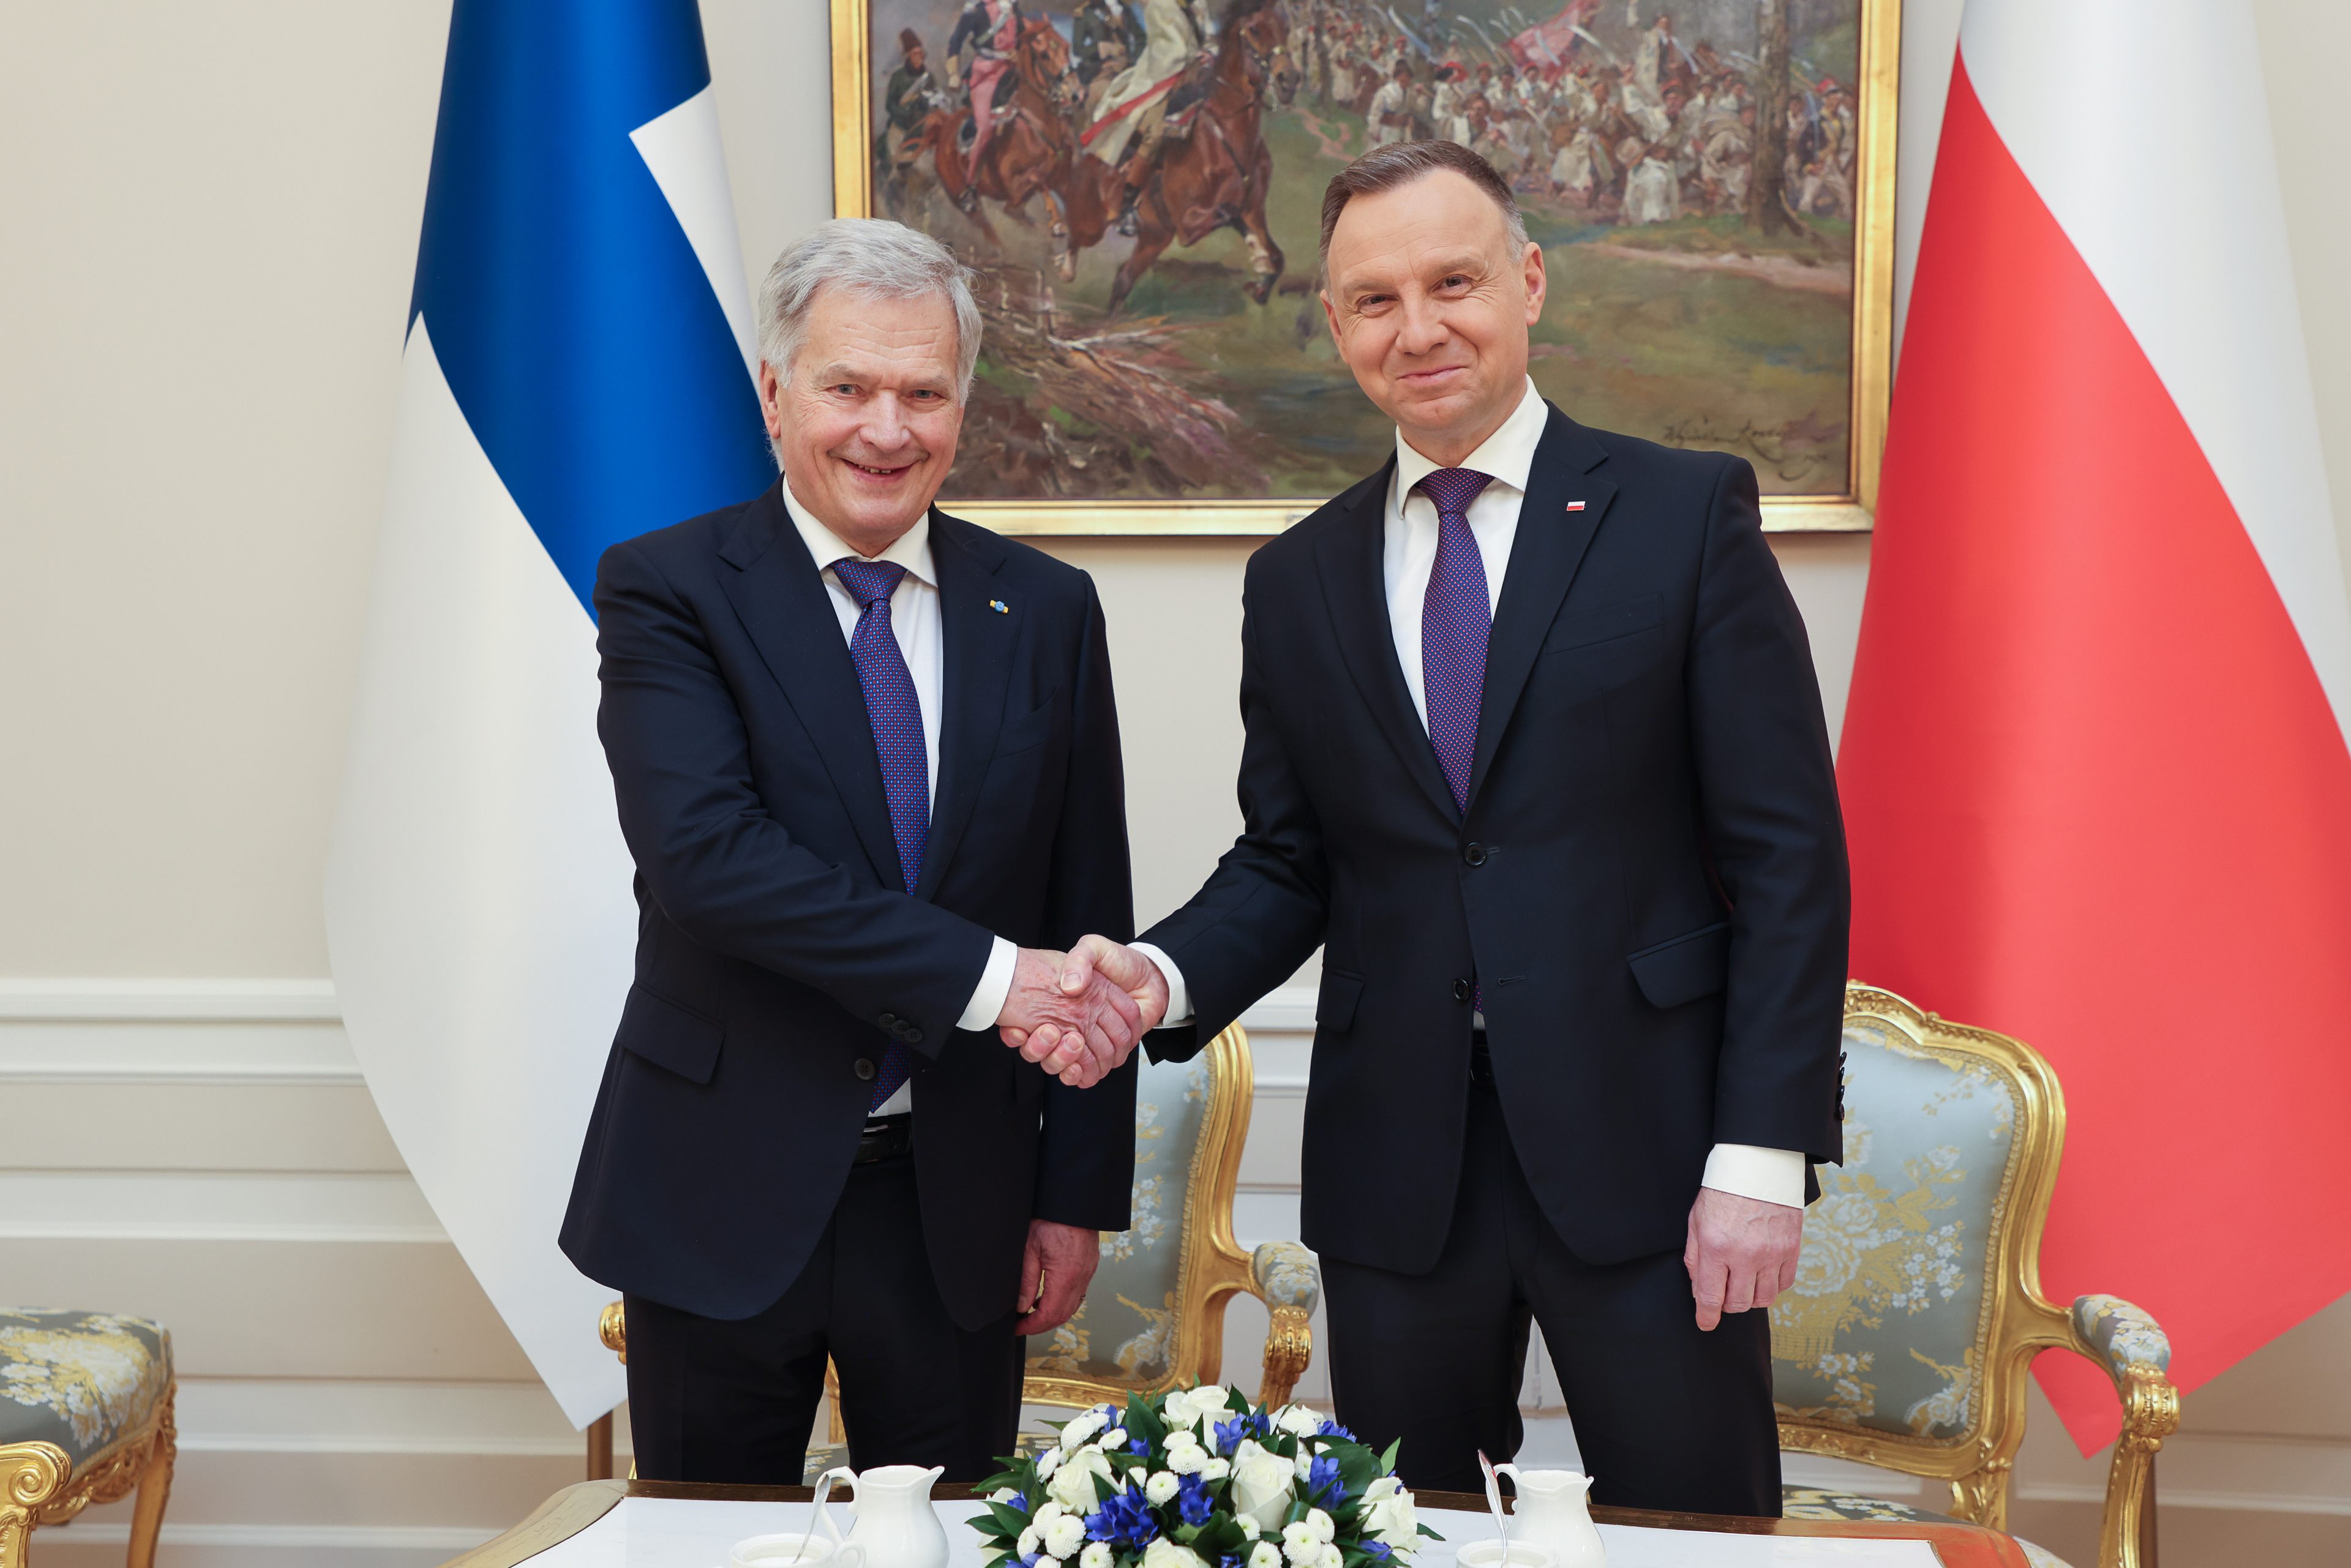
column 909, row 99
column 992, row 28
column 1104, row 37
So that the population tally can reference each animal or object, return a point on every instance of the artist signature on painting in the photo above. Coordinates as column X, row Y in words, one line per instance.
column 1798, row 450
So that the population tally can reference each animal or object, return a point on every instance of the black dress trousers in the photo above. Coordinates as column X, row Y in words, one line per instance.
column 1666, row 1417
column 721, row 1401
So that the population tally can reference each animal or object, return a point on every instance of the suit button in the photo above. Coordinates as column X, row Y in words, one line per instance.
column 889, row 1020
column 865, row 1069
column 1460, row 991
column 1474, row 855
column 911, row 1035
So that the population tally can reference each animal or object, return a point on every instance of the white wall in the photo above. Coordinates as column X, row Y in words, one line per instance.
column 212, row 214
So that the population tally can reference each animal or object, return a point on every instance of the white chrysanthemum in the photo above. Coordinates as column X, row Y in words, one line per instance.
column 1161, row 1486
column 1114, row 1439
column 1028, row 1541
column 1064, row 1535
column 1265, row 1554
column 1185, row 1457
column 1082, row 1427
column 1097, row 1554
column 1004, row 1494
column 1324, row 1526
column 1216, row 1469
column 1049, row 1463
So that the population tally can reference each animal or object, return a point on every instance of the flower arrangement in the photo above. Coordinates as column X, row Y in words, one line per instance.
column 1200, row 1479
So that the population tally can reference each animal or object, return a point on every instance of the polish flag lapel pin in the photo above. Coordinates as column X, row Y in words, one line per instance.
column 1575, row 506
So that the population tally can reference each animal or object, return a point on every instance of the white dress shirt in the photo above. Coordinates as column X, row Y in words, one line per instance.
column 1407, row 555
column 914, row 622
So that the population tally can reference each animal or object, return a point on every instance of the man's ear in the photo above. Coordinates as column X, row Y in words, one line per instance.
column 772, row 394
column 1330, row 316
column 1538, row 282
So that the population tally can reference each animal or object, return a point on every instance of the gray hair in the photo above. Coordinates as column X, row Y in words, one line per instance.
column 874, row 257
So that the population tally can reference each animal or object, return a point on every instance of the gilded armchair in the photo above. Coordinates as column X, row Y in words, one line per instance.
column 1917, row 1308
column 85, row 1417
column 1154, row 1313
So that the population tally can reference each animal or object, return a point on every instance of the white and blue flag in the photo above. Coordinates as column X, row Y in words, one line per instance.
column 578, row 371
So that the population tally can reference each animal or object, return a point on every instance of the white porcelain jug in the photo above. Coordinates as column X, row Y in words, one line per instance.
column 1554, row 1512
column 897, row 1526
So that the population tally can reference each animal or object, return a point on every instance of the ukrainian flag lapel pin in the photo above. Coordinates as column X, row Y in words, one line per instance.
column 999, row 607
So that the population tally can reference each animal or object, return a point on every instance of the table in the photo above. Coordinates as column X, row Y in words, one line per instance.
column 673, row 1524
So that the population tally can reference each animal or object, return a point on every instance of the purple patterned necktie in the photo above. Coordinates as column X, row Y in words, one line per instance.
column 1457, row 620
column 896, row 716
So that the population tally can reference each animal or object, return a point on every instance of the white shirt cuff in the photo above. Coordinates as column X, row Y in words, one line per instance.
column 1179, row 998
column 1768, row 1175
column 995, row 985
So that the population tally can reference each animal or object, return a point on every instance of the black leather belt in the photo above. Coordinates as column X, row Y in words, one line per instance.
column 886, row 1138
column 1481, row 1060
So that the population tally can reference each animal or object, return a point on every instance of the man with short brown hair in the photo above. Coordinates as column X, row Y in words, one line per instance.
column 1535, row 753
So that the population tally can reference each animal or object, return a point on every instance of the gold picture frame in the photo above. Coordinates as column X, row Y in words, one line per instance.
column 1877, row 78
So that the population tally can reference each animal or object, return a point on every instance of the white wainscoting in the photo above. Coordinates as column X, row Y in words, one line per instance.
column 205, row 1153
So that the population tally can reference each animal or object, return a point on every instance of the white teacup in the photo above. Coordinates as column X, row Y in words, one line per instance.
column 792, row 1548
column 1497, row 1554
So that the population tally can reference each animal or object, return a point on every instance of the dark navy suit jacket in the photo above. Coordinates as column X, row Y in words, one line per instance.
column 1649, row 882
column 775, row 948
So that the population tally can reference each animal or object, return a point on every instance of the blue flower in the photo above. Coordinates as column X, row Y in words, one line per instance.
column 1193, row 1502
column 1141, row 1446
column 1122, row 1521
column 1378, row 1548
column 1323, row 1476
column 1031, row 1560
column 1332, row 1429
column 1230, row 1433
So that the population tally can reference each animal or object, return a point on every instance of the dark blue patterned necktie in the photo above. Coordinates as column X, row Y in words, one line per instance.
column 1457, row 620
column 896, row 716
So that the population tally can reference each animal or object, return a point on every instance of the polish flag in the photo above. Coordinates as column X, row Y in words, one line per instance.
column 2094, row 765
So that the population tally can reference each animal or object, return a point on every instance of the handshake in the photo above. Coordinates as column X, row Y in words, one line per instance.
column 1079, row 1014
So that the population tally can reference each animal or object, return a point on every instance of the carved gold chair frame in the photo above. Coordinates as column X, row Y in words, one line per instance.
column 39, row 1485
column 1213, row 1269
column 2019, row 1322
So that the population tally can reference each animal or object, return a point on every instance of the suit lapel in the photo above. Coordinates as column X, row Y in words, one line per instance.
column 1544, row 556
column 1353, row 587
column 783, row 604
column 978, row 645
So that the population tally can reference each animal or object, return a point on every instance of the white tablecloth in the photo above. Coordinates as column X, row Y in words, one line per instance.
column 661, row 1533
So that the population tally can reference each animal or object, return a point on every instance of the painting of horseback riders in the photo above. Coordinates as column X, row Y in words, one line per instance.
column 1139, row 184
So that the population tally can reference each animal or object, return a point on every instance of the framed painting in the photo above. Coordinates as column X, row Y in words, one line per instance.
column 1138, row 184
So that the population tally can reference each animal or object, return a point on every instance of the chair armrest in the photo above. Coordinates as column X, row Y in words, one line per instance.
column 1283, row 1275
column 2120, row 1336
column 2132, row 1346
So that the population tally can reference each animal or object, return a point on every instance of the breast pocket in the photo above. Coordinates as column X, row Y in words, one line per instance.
column 1031, row 730
column 1590, row 629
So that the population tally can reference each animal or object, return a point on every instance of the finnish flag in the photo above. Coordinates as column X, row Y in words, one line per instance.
column 578, row 369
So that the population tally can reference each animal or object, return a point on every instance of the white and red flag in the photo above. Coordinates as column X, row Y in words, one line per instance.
column 2094, row 765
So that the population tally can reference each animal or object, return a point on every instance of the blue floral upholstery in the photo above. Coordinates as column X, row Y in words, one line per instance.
column 1127, row 1329
column 2124, row 1335
column 1286, row 1275
column 1891, row 1304
column 81, row 1381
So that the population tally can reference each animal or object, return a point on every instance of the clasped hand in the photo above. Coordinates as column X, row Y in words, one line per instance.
column 1079, row 1014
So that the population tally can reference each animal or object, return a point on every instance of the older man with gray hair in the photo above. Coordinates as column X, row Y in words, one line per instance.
column 867, row 761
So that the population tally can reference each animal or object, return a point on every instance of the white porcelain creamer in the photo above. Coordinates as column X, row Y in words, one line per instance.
column 897, row 1526
column 1554, row 1512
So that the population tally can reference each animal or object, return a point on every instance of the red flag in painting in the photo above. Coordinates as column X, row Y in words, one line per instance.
column 2093, row 764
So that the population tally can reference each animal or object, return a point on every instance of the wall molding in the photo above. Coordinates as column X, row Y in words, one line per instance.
column 27, row 999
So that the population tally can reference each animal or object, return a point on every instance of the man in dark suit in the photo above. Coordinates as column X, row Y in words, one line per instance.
column 1535, row 751
column 867, row 761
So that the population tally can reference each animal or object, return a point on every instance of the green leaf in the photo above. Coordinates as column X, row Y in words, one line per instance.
column 1387, row 1458
column 1142, row 1421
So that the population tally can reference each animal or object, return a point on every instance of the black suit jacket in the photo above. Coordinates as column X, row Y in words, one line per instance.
column 776, row 948
column 1649, row 882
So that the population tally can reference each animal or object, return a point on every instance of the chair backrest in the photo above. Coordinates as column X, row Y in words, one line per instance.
column 1154, row 1316
column 1917, row 1308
